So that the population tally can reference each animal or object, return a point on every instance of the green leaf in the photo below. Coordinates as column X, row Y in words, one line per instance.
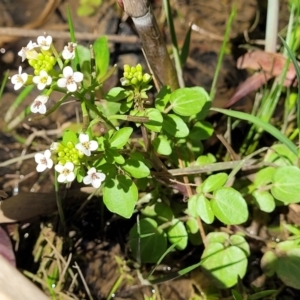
column 204, row 209
column 286, row 187
column 217, row 237
column 264, row 200
column 116, row 94
column 269, row 263
column 162, row 98
column 262, row 295
column 186, row 47
column 236, row 295
column 239, row 241
column 112, row 155
column 264, row 176
column 260, row 124
column 162, row 145
column 102, row 56
column 281, row 155
column 120, row 137
column 163, row 212
column 120, row 195
column 69, row 136
column 192, row 225
column 83, row 55
column 288, row 268
column 214, row 182
column 175, row 126
column 229, row 206
column 155, row 119
column 188, row 101
column 147, row 241
column 225, row 265
column 136, row 168
column 201, row 131
column 177, row 234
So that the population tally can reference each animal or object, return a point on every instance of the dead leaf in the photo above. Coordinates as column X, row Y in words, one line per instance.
column 269, row 64
column 6, row 249
column 26, row 206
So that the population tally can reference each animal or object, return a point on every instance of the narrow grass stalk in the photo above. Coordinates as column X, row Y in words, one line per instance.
column 176, row 54
column 222, row 52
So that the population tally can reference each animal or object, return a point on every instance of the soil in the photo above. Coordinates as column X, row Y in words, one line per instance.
column 97, row 236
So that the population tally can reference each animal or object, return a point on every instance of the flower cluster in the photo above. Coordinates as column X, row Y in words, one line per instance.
column 42, row 57
column 70, row 158
column 134, row 76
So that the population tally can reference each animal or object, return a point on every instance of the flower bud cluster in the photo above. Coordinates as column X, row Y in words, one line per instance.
column 134, row 76
column 68, row 153
column 43, row 61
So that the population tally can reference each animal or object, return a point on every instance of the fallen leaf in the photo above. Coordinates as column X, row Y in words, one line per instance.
column 269, row 64
column 26, row 206
column 6, row 249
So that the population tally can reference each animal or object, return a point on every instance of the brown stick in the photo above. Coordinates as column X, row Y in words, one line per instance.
column 152, row 42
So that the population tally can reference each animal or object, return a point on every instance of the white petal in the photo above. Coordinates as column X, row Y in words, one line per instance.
column 83, row 138
column 91, row 170
column 14, row 78
column 41, row 167
column 101, row 176
column 43, row 73
column 38, row 157
column 40, row 39
column 41, row 86
column 18, row 86
column 80, row 147
column 62, row 82
column 49, row 80
column 24, row 77
column 49, row 163
column 61, row 178
column 93, row 145
column 59, row 168
column 87, row 180
column 42, row 98
column 67, row 71
column 49, row 40
column 36, row 79
column 70, row 177
column 47, row 153
column 78, row 76
column 69, row 166
column 96, row 183
column 42, row 109
column 34, row 108
column 72, row 87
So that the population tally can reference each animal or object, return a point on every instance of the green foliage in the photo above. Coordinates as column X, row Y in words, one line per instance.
column 284, row 261
column 225, row 260
column 88, row 7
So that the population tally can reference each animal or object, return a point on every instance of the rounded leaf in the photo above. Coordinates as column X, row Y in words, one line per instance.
column 147, row 242
column 224, row 265
column 288, row 268
column 120, row 195
column 188, row 101
column 214, row 182
column 120, row 137
column 201, row 131
column 264, row 200
column 155, row 119
column 178, row 235
column 136, row 168
column 175, row 126
column 192, row 225
column 286, row 187
column 162, row 145
column 229, row 206
column 163, row 212
column 204, row 210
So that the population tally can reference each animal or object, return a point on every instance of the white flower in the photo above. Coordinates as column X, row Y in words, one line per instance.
column 19, row 79
column 69, row 51
column 38, row 105
column 85, row 145
column 28, row 51
column 93, row 177
column 66, row 172
column 42, row 80
column 54, row 146
column 44, row 42
column 44, row 161
column 70, row 79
